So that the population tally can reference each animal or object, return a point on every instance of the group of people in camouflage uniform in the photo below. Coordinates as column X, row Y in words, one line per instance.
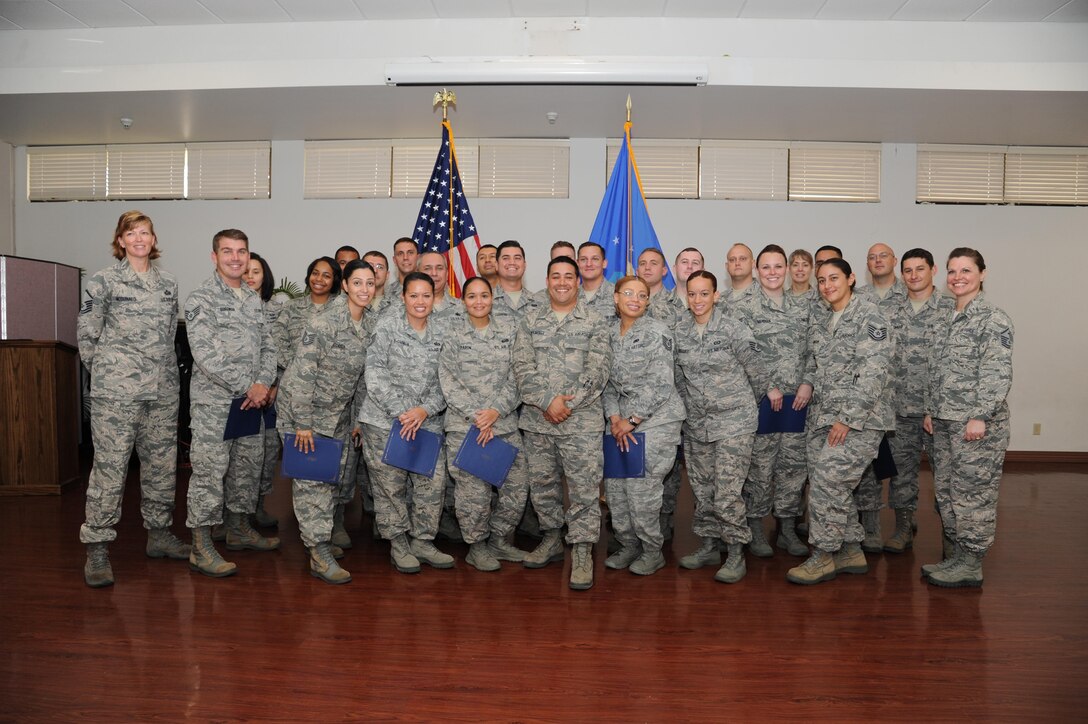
column 557, row 374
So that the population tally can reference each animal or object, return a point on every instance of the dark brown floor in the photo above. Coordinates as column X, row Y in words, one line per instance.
column 272, row 643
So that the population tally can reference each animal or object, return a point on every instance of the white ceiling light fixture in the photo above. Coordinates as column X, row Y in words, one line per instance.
column 537, row 71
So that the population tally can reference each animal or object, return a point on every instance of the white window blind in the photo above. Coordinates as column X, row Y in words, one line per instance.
column 525, row 168
column 347, row 169
column 834, row 171
column 960, row 174
column 413, row 162
column 1046, row 176
column 146, row 171
column 230, row 170
column 66, row 173
column 744, row 170
column 669, row 169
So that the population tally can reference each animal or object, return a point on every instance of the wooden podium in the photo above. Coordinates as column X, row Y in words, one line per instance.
column 39, row 376
column 39, row 419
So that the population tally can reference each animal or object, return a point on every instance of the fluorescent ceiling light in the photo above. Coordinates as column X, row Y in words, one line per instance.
column 546, row 72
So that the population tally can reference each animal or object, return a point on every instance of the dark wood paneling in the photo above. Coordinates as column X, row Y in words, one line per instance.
column 273, row 643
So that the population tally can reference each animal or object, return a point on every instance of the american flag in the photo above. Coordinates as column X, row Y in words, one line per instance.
column 444, row 223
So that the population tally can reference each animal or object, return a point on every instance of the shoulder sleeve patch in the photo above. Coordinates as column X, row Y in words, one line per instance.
column 1006, row 338
column 191, row 314
column 87, row 306
column 667, row 341
column 308, row 338
column 753, row 345
column 879, row 334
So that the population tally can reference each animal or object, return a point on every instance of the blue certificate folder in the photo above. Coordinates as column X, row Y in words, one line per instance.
column 323, row 464
column 415, row 456
column 620, row 464
column 490, row 463
column 242, row 423
column 785, row 420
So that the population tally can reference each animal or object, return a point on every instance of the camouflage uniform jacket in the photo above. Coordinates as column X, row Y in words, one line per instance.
column 476, row 373
column 504, row 308
column 641, row 382
column 972, row 374
column 667, row 307
column 916, row 335
column 730, row 299
column 126, row 332
column 402, row 373
column 231, row 341
column 891, row 302
column 569, row 357
column 782, row 334
column 603, row 303
column 326, row 372
column 850, row 369
column 293, row 318
column 718, row 376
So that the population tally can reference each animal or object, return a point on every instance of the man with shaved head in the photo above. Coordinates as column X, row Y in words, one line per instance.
column 889, row 294
column 739, row 263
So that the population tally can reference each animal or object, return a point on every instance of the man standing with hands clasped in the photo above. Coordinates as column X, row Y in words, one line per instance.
column 561, row 361
column 233, row 356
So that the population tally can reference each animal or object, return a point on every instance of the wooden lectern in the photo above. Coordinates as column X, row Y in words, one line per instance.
column 39, row 376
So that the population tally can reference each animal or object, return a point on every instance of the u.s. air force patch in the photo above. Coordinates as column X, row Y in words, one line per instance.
column 87, row 306
column 879, row 334
column 308, row 338
column 1006, row 338
column 667, row 341
column 190, row 314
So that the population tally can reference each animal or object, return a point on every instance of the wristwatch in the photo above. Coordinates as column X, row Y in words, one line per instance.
column 631, row 420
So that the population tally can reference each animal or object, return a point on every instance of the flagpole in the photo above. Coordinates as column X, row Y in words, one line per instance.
column 627, row 140
column 448, row 98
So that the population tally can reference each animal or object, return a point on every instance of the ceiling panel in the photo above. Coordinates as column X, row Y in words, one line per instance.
column 1076, row 11
column 173, row 12
column 103, row 13
column 938, row 10
column 781, row 9
column 549, row 8
column 37, row 15
column 246, row 11
column 703, row 8
column 473, row 8
column 626, row 8
column 306, row 11
column 859, row 9
column 1016, row 11
column 396, row 9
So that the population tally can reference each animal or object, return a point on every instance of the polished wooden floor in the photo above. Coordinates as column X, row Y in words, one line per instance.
column 275, row 644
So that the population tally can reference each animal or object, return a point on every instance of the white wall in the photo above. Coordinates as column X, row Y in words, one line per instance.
column 1036, row 255
column 7, row 199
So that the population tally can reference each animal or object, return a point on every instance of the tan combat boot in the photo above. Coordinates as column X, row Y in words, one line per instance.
column 479, row 557
column 161, row 543
column 400, row 555
column 549, row 550
column 204, row 558
column 340, row 535
column 819, row 567
column 243, row 536
column 734, row 568
column 903, row 537
column 759, row 547
column 850, row 559
column 787, row 538
column 97, row 572
column 324, row 566
column 708, row 554
column 581, row 567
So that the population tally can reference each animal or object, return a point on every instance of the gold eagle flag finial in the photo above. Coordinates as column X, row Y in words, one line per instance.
column 447, row 98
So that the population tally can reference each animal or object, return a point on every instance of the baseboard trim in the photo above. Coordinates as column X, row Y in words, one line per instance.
column 1045, row 456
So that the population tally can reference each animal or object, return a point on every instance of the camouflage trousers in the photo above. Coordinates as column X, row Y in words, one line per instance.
column 483, row 510
column 716, row 471
column 404, row 502
column 580, row 459
column 833, row 473
column 211, row 489
column 149, row 426
column 869, row 495
column 635, row 503
column 966, row 477
column 777, row 475
column 907, row 444
column 273, row 444
column 671, row 485
column 315, row 502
